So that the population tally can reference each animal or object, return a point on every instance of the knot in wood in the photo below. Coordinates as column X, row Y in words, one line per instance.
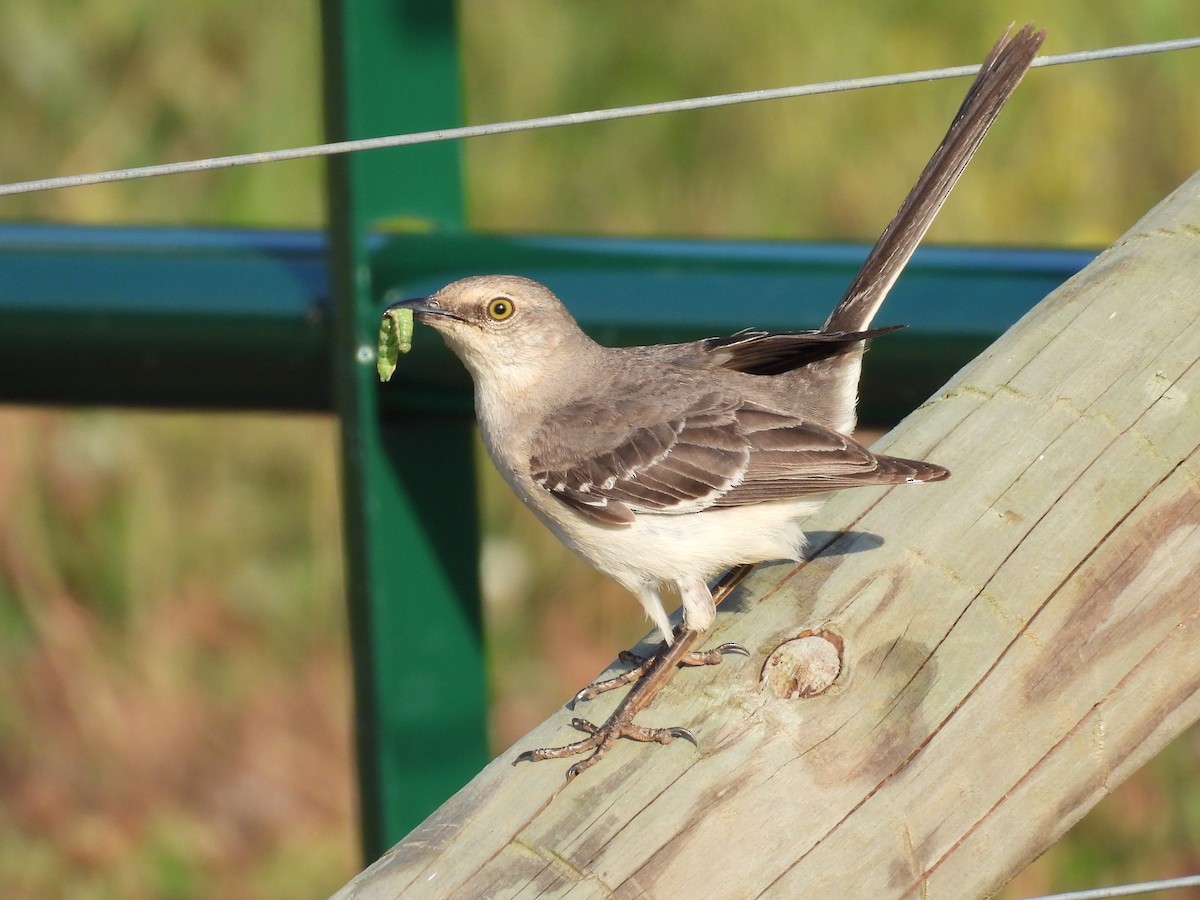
column 804, row 666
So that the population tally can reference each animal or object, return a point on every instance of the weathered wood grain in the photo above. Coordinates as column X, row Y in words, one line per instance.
column 1015, row 642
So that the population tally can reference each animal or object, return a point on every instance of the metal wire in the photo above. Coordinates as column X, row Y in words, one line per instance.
column 599, row 115
column 1125, row 890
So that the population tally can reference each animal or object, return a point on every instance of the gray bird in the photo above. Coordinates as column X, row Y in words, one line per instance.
column 664, row 465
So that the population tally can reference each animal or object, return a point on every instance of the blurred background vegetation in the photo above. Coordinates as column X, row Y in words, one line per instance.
column 174, row 690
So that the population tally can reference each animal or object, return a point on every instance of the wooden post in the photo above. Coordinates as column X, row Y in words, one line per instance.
column 1004, row 647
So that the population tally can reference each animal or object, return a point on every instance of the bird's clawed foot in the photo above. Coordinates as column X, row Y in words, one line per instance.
column 601, row 737
column 648, row 677
column 641, row 665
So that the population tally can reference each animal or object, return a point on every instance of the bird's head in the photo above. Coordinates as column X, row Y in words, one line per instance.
column 506, row 329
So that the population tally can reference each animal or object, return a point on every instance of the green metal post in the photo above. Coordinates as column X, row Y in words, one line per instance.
column 410, row 505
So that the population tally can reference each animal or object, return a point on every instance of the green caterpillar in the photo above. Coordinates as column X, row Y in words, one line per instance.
column 395, row 337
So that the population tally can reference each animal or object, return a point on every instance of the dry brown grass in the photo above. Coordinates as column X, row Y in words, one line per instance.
column 167, row 729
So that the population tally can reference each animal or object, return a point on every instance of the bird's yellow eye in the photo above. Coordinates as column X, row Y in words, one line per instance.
column 500, row 309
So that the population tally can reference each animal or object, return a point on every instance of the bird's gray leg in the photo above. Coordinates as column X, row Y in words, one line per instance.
column 658, row 671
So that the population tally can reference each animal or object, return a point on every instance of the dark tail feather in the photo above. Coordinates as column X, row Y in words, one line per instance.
column 998, row 77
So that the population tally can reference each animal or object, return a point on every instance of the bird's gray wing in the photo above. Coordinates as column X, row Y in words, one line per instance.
column 614, row 459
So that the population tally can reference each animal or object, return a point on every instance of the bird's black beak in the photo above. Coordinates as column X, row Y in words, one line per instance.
column 424, row 309
column 418, row 305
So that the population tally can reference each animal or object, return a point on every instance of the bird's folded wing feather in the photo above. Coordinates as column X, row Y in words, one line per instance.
column 614, row 460
column 611, row 459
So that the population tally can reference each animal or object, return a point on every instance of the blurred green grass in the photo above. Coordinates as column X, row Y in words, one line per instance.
column 174, row 697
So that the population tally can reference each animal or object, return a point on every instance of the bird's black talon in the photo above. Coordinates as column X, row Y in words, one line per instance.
column 680, row 732
column 527, row 756
column 732, row 647
column 584, row 725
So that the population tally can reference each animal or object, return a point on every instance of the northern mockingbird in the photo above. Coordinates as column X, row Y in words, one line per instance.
column 665, row 465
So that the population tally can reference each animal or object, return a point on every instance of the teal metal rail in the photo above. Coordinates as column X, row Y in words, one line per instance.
column 243, row 319
column 278, row 320
column 164, row 317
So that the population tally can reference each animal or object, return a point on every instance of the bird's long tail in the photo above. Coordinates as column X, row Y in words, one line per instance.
column 998, row 77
